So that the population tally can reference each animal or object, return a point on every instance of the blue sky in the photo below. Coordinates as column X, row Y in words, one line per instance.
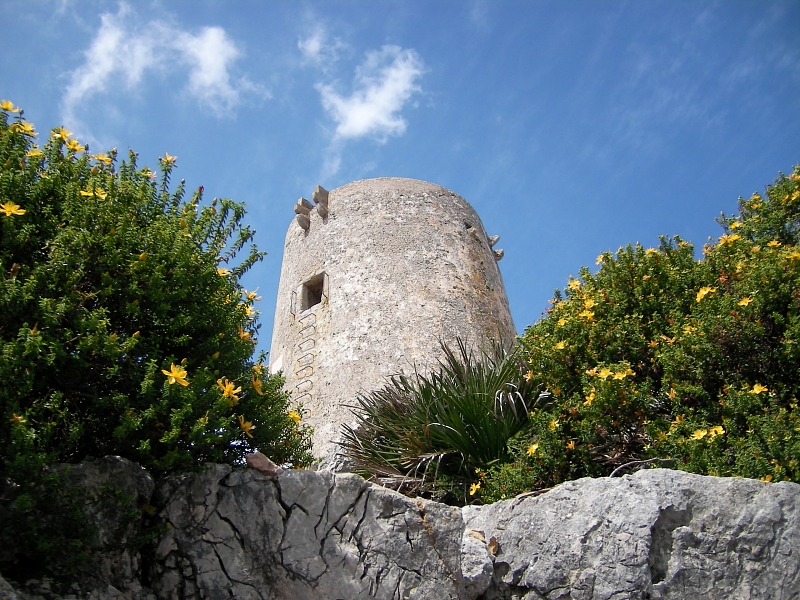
column 572, row 127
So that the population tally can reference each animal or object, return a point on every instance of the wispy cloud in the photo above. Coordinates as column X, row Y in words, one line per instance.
column 123, row 52
column 319, row 49
column 382, row 85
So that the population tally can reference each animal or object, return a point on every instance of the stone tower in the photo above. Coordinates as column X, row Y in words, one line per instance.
column 374, row 274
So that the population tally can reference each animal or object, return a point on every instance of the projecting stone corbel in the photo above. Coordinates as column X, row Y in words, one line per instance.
column 320, row 196
column 303, row 221
column 303, row 207
column 498, row 254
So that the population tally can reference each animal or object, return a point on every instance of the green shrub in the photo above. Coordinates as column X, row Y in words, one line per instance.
column 124, row 327
column 432, row 434
column 661, row 356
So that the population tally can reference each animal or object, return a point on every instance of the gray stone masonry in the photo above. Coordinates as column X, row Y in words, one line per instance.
column 375, row 273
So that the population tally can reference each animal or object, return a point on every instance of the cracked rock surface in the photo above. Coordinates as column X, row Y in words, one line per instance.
column 656, row 534
column 237, row 533
column 304, row 535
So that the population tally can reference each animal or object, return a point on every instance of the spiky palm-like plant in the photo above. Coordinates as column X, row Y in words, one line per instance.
column 430, row 433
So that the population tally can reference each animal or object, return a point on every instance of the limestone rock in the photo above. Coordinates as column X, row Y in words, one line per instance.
column 656, row 534
column 320, row 535
column 303, row 535
column 6, row 591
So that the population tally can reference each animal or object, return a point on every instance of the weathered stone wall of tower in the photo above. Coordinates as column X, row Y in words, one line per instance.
column 373, row 277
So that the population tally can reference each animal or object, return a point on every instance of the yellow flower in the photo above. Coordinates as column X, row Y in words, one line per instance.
column 259, row 369
column 689, row 329
column 74, row 146
column 587, row 314
column 589, row 303
column 699, row 434
column 570, row 445
column 257, row 386
column 474, row 488
column 744, row 301
column 11, row 208
column 728, row 239
column 758, row 388
column 532, row 449
column 99, row 192
column 529, row 376
column 229, row 390
column 704, row 291
column 103, row 158
column 60, row 132
column 767, row 478
column 623, row 374
column 560, row 345
column 605, row 373
column 651, row 251
column 590, row 398
column 247, row 426
column 24, row 127
column 716, row 430
column 553, row 424
column 755, row 249
column 176, row 375
column 774, row 244
column 245, row 335
column 574, row 284
column 252, row 296
column 600, row 259
column 678, row 420
column 222, row 271
column 295, row 416
column 672, row 393
column 561, row 322
column 17, row 419
column 167, row 159
column 34, row 153
column 795, row 255
column 8, row 106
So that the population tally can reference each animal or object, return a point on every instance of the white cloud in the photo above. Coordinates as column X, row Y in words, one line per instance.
column 210, row 55
column 382, row 86
column 312, row 46
column 122, row 52
column 319, row 50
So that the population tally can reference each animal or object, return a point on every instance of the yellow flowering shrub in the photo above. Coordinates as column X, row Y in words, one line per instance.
column 691, row 363
column 121, row 310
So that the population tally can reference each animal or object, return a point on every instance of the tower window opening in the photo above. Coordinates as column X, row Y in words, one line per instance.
column 312, row 292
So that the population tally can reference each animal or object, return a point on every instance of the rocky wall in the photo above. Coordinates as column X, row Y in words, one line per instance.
column 236, row 533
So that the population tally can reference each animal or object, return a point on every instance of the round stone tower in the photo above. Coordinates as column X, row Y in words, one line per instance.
column 375, row 273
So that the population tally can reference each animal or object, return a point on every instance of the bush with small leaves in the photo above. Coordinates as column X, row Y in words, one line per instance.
column 664, row 358
column 124, row 327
